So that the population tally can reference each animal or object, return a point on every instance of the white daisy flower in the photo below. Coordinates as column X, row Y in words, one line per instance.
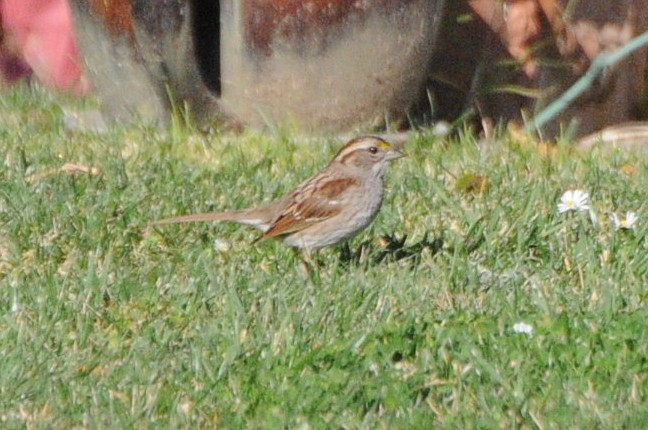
column 573, row 200
column 627, row 223
column 221, row 245
column 442, row 129
column 523, row 328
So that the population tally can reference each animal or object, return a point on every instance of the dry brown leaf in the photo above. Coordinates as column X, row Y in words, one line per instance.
column 472, row 183
column 629, row 169
column 547, row 149
column 68, row 169
column 71, row 168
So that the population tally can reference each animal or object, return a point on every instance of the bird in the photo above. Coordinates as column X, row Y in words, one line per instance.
column 327, row 209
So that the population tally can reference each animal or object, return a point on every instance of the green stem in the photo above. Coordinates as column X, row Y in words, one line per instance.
column 598, row 65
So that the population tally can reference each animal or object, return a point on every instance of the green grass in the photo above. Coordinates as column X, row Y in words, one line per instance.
column 104, row 324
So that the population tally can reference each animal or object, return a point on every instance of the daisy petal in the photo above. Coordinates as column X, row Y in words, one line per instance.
column 573, row 200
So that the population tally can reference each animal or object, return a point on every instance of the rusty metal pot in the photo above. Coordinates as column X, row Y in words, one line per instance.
column 321, row 64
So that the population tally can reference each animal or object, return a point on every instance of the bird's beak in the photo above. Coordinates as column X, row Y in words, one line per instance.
column 395, row 154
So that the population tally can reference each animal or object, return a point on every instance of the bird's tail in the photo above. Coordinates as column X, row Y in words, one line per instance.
column 211, row 216
column 257, row 218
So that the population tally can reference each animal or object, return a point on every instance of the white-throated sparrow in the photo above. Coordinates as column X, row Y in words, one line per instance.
column 330, row 207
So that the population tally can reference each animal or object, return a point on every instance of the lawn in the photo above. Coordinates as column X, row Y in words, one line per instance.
column 107, row 324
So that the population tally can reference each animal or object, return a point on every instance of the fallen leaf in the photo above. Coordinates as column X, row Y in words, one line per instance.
column 629, row 169
column 472, row 183
column 68, row 169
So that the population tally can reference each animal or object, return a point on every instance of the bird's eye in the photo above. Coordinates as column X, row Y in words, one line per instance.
column 373, row 150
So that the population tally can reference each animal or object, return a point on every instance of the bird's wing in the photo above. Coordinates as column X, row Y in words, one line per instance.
column 313, row 202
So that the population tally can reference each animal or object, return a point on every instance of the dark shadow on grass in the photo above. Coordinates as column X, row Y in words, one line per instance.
column 389, row 248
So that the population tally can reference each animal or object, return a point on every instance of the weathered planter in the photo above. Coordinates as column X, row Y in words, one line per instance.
column 348, row 64
column 323, row 64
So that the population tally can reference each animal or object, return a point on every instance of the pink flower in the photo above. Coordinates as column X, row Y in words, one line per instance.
column 39, row 32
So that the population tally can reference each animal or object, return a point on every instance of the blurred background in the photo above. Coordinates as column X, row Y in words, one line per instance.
column 333, row 65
